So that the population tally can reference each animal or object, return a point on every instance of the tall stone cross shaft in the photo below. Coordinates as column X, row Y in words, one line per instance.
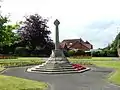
column 56, row 23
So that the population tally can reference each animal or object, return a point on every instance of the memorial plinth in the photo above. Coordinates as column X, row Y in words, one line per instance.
column 57, row 62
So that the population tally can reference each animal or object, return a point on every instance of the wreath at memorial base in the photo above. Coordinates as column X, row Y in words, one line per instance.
column 78, row 66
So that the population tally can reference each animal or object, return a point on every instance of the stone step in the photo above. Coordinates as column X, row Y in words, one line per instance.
column 67, row 67
column 61, row 66
column 57, row 71
column 62, row 69
column 53, row 70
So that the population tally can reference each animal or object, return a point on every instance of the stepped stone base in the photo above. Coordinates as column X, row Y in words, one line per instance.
column 57, row 63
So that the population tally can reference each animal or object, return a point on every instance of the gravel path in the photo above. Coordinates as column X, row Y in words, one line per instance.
column 89, row 80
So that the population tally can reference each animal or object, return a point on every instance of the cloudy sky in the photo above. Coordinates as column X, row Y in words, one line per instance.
column 97, row 21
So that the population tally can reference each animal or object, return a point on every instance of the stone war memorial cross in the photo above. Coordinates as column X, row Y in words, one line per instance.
column 57, row 63
column 56, row 23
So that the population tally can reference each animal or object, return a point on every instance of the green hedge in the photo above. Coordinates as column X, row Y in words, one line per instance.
column 78, row 54
column 21, row 51
column 19, row 63
column 105, row 53
column 81, row 57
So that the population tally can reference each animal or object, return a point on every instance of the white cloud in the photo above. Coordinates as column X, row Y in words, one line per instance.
column 75, row 17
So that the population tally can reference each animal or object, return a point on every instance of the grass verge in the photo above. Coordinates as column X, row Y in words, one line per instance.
column 115, row 77
column 1, row 68
column 104, row 62
column 13, row 83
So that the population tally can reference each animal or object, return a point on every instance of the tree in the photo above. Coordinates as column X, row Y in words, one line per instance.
column 35, row 32
column 7, row 36
column 115, row 44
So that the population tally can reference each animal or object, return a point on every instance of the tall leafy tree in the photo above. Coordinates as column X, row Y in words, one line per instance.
column 7, row 36
column 116, row 43
column 35, row 32
column 111, row 49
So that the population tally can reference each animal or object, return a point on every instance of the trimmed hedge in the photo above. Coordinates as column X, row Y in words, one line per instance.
column 80, row 54
column 21, row 51
column 82, row 62
column 19, row 63
column 81, row 57
column 105, row 53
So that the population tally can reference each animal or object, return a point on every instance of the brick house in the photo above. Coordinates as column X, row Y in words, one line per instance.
column 76, row 44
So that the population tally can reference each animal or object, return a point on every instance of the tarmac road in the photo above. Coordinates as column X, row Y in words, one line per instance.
column 89, row 80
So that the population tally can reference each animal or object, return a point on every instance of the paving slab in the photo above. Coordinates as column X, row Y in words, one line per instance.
column 89, row 80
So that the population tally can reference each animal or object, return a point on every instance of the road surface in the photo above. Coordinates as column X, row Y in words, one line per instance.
column 89, row 80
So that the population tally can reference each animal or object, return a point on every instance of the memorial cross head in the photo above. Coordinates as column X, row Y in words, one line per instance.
column 56, row 22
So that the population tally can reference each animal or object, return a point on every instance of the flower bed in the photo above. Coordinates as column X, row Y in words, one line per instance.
column 7, row 57
column 78, row 66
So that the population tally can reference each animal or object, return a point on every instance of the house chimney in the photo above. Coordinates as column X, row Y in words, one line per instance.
column 80, row 40
column 87, row 42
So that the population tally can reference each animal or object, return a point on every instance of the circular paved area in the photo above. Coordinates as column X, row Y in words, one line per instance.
column 89, row 80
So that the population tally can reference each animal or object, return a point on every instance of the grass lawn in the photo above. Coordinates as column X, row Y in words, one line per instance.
column 13, row 83
column 104, row 62
column 1, row 68
column 115, row 77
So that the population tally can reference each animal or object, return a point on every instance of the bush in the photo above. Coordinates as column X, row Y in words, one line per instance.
column 85, row 62
column 112, row 53
column 65, row 53
column 88, row 53
column 96, row 53
column 79, row 52
column 21, row 51
column 81, row 57
column 71, row 53
column 105, row 53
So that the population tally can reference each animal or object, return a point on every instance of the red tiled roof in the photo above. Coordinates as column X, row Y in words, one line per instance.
column 70, row 43
column 72, row 40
